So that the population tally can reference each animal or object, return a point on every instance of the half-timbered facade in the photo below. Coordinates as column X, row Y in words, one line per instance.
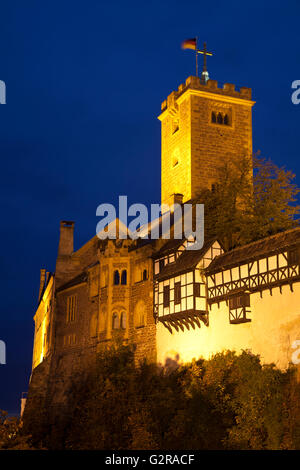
column 265, row 264
column 249, row 299
column 180, row 298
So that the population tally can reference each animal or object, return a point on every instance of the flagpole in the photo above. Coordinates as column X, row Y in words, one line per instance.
column 196, row 56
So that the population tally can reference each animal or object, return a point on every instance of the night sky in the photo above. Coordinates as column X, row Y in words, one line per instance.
column 85, row 81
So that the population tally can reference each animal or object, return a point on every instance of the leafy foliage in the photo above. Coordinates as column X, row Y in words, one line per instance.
column 243, row 208
column 11, row 436
column 228, row 402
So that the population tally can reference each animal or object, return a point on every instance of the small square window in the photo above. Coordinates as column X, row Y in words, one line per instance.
column 237, row 301
column 238, row 308
column 175, row 125
column 161, row 264
column 293, row 257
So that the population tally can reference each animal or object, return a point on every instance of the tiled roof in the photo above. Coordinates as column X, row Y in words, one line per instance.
column 269, row 245
column 187, row 260
column 169, row 247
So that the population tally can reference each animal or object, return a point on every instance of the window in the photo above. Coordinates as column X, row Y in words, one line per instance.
column 123, row 320
column 175, row 157
column 145, row 275
column 71, row 308
column 293, row 257
column 115, row 321
column 124, row 277
column 197, row 289
column 177, row 292
column 116, row 278
column 69, row 340
column 175, row 162
column 238, row 308
column 220, row 118
column 161, row 264
column 239, row 301
column 166, row 296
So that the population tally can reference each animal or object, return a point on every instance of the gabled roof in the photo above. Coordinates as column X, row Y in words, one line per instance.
column 169, row 247
column 258, row 249
column 152, row 225
column 187, row 261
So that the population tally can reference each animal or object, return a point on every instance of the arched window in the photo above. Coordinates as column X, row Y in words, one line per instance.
column 220, row 118
column 115, row 321
column 226, row 120
column 123, row 320
column 116, row 278
column 145, row 275
column 124, row 277
column 213, row 117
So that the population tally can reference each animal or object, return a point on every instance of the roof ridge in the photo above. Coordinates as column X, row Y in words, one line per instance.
column 262, row 239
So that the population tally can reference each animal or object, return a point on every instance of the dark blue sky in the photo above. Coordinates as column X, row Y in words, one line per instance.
column 84, row 85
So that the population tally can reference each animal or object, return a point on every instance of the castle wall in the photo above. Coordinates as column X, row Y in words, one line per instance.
column 212, row 145
column 176, row 154
column 83, row 311
column 274, row 326
column 193, row 147
column 43, row 319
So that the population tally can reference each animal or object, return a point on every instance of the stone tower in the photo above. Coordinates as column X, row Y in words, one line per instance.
column 202, row 126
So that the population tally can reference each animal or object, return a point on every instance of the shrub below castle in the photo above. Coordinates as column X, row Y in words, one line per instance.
column 228, row 402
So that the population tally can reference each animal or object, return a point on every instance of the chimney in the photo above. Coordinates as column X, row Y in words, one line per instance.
column 66, row 239
column 42, row 282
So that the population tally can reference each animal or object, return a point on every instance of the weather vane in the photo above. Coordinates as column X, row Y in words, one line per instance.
column 192, row 44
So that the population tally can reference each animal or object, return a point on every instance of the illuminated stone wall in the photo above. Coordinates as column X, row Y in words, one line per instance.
column 274, row 326
column 43, row 339
column 192, row 146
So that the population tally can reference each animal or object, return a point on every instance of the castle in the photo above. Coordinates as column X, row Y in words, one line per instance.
column 170, row 302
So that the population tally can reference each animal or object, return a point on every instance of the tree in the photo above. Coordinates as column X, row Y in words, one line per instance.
column 253, row 199
column 11, row 436
column 230, row 401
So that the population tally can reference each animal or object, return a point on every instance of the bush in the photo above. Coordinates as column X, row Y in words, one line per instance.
column 228, row 402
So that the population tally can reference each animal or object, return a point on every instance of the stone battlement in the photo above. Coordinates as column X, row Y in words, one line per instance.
column 211, row 86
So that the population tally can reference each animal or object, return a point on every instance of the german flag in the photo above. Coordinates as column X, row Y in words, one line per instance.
column 189, row 44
